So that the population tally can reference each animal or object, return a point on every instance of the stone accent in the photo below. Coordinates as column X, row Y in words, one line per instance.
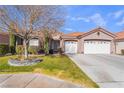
column 15, row 62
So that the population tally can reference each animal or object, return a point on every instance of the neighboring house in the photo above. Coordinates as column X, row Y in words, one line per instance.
column 119, row 42
column 96, row 41
column 4, row 38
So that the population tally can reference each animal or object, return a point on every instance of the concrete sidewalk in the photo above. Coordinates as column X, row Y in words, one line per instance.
column 33, row 81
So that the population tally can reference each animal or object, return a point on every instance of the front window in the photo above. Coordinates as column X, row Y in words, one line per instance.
column 34, row 42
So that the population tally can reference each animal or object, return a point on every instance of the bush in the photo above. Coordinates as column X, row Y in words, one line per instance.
column 41, row 51
column 60, row 51
column 51, row 51
column 122, row 51
column 19, row 49
column 12, row 49
column 33, row 50
column 4, row 49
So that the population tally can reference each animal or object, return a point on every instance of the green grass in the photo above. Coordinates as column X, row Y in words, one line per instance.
column 57, row 66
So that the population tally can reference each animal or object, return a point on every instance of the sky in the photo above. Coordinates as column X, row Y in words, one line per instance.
column 83, row 18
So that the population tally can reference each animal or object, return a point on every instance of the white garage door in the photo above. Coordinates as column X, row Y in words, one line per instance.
column 70, row 47
column 97, row 47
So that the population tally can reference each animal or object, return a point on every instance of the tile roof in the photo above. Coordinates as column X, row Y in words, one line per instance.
column 4, row 38
column 120, row 35
column 74, row 34
column 98, row 29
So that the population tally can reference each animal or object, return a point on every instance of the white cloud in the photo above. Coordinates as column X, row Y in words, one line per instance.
column 121, row 22
column 68, row 29
column 80, row 18
column 98, row 19
column 67, row 16
column 95, row 18
column 117, row 14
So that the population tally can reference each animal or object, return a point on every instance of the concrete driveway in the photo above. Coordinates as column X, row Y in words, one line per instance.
column 105, row 70
column 33, row 81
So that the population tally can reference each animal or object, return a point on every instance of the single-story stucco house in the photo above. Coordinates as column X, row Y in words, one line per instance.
column 95, row 41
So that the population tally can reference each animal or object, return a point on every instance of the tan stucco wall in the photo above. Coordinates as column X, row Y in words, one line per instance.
column 119, row 46
column 80, row 46
column 62, row 44
column 62, row 41
column 101, row 36
column 92, row 36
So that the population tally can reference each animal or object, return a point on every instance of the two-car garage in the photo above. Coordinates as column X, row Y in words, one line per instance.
column 90, row 47
column 97, row 47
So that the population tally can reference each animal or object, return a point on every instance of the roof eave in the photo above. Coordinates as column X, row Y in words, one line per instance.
column 95, row 30
column 68, row 37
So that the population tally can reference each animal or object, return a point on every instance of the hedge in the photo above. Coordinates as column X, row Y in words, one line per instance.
column 4, row 48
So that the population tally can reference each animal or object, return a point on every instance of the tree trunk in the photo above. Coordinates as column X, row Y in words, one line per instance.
column 25, row 49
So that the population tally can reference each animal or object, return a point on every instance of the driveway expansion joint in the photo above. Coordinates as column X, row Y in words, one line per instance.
column 6, row 79
column 34, row 81
column 111, row 82
column 30, row 81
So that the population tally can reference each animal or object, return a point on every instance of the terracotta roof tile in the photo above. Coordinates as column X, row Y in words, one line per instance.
column 74, row 34
column 4, row 38
column 120, row 35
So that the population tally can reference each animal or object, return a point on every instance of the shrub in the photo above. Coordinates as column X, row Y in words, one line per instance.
column 41, row 51
column 33, row 50
column 4, row 49
column 19, row 49
column 122, row 51
column 12, row 49
column 51, row 51
column 60, row 51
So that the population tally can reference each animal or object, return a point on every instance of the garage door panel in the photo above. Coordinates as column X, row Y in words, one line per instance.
column 70, row 47
column 96, row 47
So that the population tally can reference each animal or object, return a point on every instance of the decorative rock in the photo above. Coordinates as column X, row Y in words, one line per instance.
column 8, row 54
column 15, row 62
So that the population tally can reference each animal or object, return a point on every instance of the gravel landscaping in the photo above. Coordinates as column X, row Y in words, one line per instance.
column 15, row 62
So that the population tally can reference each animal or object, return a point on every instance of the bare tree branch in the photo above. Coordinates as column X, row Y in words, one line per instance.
column 24, row 20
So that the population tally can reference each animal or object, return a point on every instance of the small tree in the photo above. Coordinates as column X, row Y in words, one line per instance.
column 46, row 46
column 12, row 42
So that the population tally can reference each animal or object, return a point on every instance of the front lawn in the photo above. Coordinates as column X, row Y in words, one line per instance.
column 57, row 66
